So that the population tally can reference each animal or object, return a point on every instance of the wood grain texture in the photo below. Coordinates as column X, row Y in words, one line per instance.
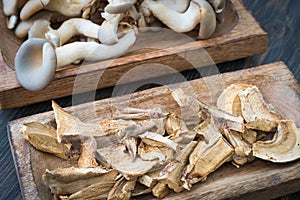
column 243, row 38
column 280, row 19
column 226, row 182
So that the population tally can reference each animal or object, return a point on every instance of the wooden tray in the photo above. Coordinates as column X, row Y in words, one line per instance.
column 241, row 36
column 259, row 179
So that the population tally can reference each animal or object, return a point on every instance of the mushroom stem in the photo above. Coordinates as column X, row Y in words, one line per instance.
column 108, row 31
column 119, row 6
column 207, row 20
column 179, row 22
column 32, row 7
column 36, row 60
column 178, row 5
column 92, row 51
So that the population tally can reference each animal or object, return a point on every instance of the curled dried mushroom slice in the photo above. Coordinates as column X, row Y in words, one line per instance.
column 229, row 100
column 122, row 189
column 256, row 112
column 284, row 147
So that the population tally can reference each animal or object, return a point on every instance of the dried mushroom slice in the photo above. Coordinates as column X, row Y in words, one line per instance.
column 64, row 181
column 93, row 192
column 229, row 100
column 70, row 126
column 117, row 157
column 43, row 138
column 220, row 117
column 122, row 189
column 209, row 154
column 284, row 147
column 256, row 112
column 148, row 153
column 158, row 140
column 171, row 174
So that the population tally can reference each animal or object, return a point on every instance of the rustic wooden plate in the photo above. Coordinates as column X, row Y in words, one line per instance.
column 259, row 179
column 240, row 36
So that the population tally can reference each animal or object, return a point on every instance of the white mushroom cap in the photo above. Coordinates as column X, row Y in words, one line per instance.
column 35, row 64
column 179, row 22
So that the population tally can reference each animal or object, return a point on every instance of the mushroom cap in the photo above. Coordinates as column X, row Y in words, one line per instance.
column 35, row 64
column 118, row 8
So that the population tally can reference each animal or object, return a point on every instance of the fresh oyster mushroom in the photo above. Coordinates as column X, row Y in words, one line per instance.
column 76, row 26
column 177, row 21
column 119, row 6
column 256, row 112
column 23, row 27
column 10, row 9
column 69, row 8
column 284, row 147
column 207, row 19
column 37, row 60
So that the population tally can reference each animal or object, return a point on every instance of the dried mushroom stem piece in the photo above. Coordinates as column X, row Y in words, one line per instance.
column 177, row 21
column 65, row 181
column 172, row 173
column 131, row 145
column 37, row 60
column 209, row 154
column 229, row 100
column 139, row 114
column 44, row 139
column 87, row 156
column 160, row 190
column 122, row 189
column 284, row 147
column 256, row 112
column 242, row 150
column 95, row 191
column 76, row 26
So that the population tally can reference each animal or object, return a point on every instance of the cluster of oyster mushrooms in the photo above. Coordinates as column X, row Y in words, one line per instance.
column 152, row 151
column 61, row 32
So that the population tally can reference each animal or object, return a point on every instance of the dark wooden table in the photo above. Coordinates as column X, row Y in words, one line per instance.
column 279, row 18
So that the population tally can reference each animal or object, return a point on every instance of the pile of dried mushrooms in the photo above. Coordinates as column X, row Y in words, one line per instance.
column 152, row 151
column 63, row 32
